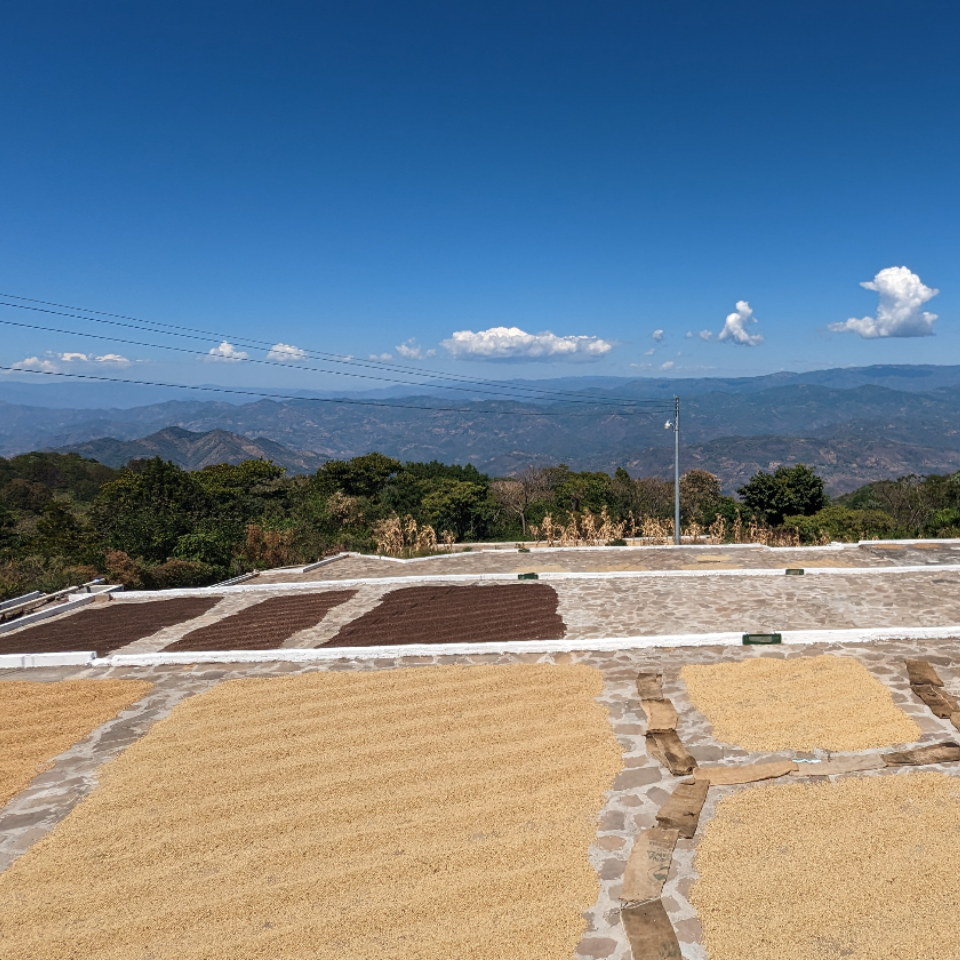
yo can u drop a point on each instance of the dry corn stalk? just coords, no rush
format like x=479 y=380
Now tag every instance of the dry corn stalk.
x=718 y=529
x=404 y=538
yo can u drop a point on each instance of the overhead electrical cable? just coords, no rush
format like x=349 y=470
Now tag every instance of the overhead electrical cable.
x=194 y=333
x=625 y=405
x=336 y=400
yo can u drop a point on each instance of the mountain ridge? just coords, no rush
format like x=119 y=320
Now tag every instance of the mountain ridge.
x=855 y=432
x=193 y=451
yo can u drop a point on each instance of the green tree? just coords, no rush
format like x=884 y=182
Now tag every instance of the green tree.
x=28 y=496
x=364 y=476
x=204 y=547
x=64 y=473
x=455 y=505
x=793 y=491
x=145 y=513
x=8 y=523
x=576 y=492
x=699 y=497
x=61 y=534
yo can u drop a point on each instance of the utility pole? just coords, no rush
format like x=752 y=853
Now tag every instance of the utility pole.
x=676 y=471
x=674 y=425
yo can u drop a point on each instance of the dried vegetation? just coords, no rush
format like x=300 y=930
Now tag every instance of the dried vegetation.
x=859 y=868
x=417 y=814
x=41 y=720
x=826 y=702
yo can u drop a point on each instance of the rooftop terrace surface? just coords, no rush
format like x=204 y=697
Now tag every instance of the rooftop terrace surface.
x=613 y=559
x=589 y=606
x=651 y=598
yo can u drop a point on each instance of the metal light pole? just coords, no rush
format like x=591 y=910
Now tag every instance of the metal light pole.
x=674 y=424
x=676 y=471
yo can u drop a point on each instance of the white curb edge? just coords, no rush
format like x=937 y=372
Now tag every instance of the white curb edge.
x=21 y=660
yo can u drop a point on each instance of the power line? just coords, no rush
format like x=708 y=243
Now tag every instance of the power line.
x=194 y=333
x=292 y=366
x=340 y=400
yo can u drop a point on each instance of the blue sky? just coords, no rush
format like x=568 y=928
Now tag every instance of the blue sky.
x=364 y=178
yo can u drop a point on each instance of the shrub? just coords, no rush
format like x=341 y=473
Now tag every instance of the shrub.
x=843 y=524
x=181 y=573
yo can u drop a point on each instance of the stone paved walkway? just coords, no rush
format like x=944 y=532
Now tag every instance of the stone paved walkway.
x=632 y=802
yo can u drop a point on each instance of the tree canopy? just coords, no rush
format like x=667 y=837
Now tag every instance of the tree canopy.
x=788 y=491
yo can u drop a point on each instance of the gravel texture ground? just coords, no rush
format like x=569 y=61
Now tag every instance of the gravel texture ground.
x=265 y=625
x=457 y=614
x=407 y=813
x=861 y=868
x=106 y=627
x=825 y=702
x=41 y=720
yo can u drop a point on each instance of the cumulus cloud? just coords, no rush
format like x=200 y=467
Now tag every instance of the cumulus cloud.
x=35 y=363
x=285 y=351
x=706 y=334
x=649 y=353
x=226 y=351
x=53 y=361
x=380 y=356
x=411 y=350
x=735 y=327
x=512 y=343
x=902 y=294
x=657 y=335
x=667 y=365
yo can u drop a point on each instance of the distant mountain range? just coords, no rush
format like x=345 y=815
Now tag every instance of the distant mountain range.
x=852 y=425
x=193 y=451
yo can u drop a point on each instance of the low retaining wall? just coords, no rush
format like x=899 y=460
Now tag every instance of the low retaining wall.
x=322 y=654
x=17 y=661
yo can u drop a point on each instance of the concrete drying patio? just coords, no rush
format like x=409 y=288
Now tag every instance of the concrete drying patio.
x=685 y=595
x=633 y=800
x=611 y=559
x=598 y=606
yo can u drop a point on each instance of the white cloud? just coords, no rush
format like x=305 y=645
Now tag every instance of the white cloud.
x=902 y=294
x=667 y=365
x=381 y=356
x=285 y=351
x=53 y=361
x=512 y=343
x=35 y=363
x=411 y=350
x=650 y=352
x=226 y=351
x=734 y=327
x=706 y=334
x=657 y=335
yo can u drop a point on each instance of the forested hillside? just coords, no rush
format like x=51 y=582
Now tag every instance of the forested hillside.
x=65 y=519
x=852 y=426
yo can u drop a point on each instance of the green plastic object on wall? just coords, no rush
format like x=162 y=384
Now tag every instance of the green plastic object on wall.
x=752 y=638
x=527 y=576
x=794 y=571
